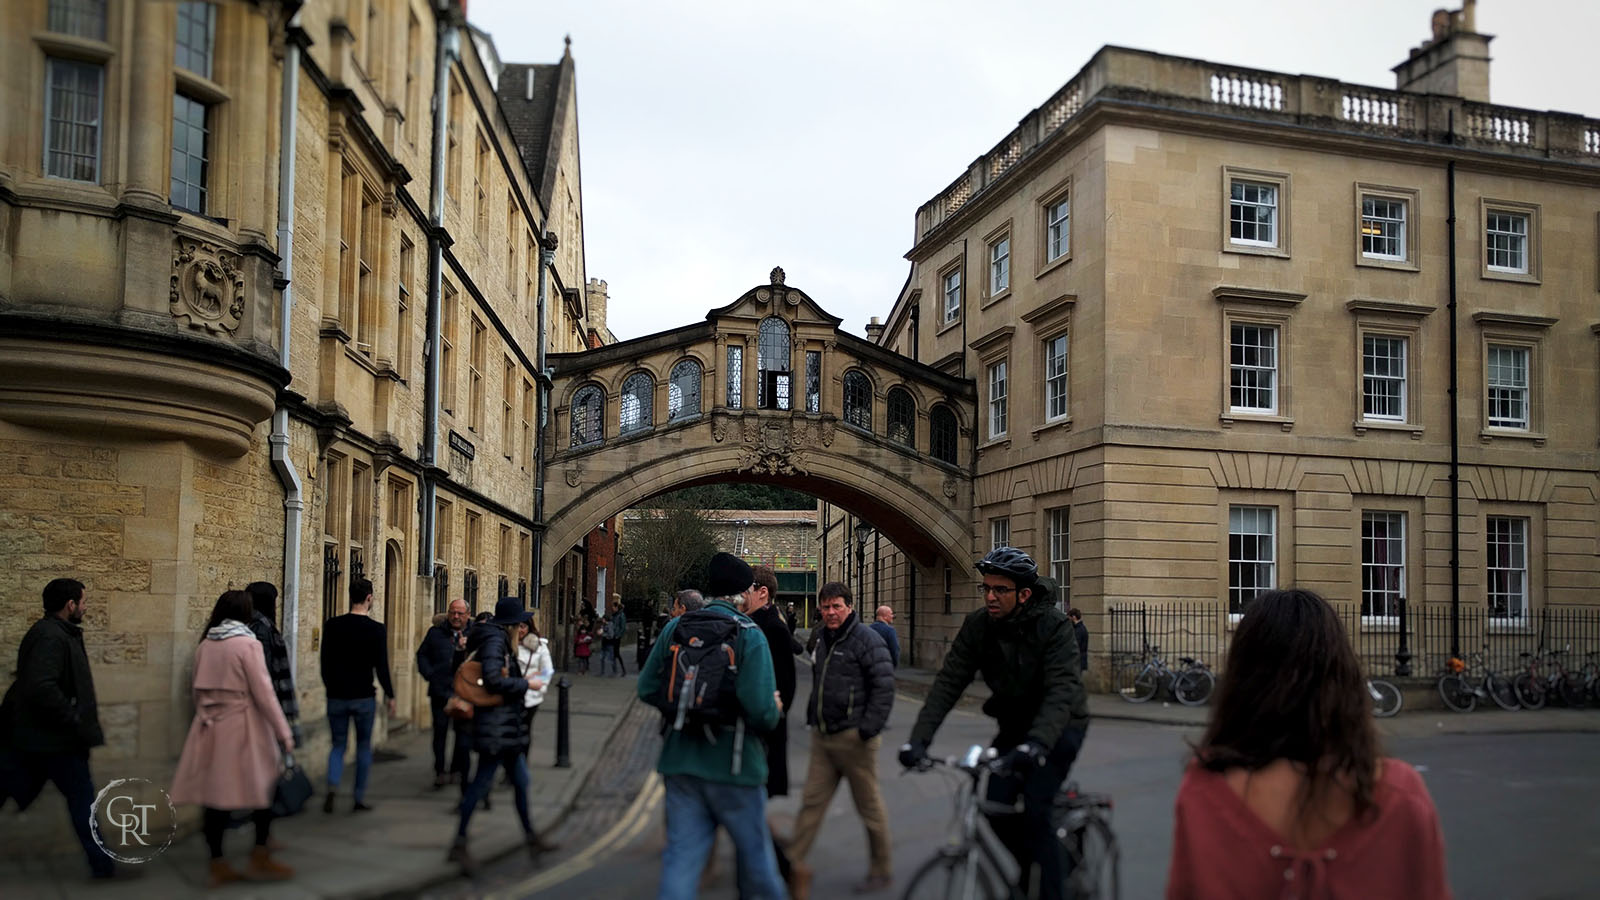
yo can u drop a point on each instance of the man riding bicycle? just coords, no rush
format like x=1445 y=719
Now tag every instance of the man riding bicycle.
x=1026 y=651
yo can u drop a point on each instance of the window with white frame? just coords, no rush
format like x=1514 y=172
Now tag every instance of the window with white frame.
x=197 y=36
x=1000 y=266
x=1253 y=368
x=191 y=153
x=1383 y=378
x=1505 y=241
x=73 y=93
x=1383 y=562
x=1057 y=229
x=1506 y=550
x=82 y=18
x=1060 y=553
x=1000 y=532
x=997 y=399
x=1253 y=213
x=1252 y=554
x=1383 y=227
x=1507 y=375
x=952 y=295
x=1055 y=378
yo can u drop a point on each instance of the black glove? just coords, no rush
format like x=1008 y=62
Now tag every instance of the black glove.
x=1025 y=757
x=914 y=754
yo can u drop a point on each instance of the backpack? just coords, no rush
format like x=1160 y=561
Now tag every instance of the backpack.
x=699 y=673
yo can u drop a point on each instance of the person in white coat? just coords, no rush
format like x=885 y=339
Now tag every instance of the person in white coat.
x=533 y=654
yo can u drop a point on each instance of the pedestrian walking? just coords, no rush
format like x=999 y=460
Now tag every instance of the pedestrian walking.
x=533 y=657
x=355 y=648
x=499 y=729
x=231 y=758
x=789 y=618
x=852 y=692
x=264 y=624
x=612 y=635
x=712 y=760
x=49 y=720
x=443 y=648
x=582 y=646
x=759 y=607
x=1288 y=787
x=883 y=624
x=1075 y=616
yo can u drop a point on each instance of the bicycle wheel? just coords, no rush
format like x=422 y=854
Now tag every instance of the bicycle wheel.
x=1501 y=691
x=952 y=874
x=1093 y=861
x=1573 y=693
x=1386 y=698
x=1529 y=690
x=1194 y=686
x=1457 y=694
x=1139 y=683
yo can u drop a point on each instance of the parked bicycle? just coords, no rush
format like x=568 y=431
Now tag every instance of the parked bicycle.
x=1460 y=691
x=1386 y=698
x=1192 y=685
x=1591 y=676
x=1546 y=677
x=975 y=865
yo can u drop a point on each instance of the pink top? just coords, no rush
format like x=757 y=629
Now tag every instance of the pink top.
x=1221 y=850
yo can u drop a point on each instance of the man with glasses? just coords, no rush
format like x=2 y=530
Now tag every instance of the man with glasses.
x=1025 y=649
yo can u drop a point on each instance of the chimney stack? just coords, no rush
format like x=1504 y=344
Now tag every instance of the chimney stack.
x=874 y=330
x=596 y=297
x=1454 y=62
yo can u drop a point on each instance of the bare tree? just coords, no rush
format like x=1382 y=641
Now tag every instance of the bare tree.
x=666 y=548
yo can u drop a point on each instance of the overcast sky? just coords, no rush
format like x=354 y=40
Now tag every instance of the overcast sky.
x=723 y=137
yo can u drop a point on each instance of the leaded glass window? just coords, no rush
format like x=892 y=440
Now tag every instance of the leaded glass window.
x=813 y=381
x=637 y=391
x=902 y=416
x=588 y=422
x=683 y=391
x=735 y=377
x=772 y=356
x=942 y=434
x=858 y=399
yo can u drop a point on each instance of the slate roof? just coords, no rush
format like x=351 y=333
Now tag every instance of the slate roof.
x=533 y=121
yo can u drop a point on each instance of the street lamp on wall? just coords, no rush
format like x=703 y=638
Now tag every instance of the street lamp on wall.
x=863 y=531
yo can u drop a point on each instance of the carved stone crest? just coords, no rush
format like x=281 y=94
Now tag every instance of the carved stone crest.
x=949 y=487
x=719 y=428
x=773 y=447
x=573 y=475
x=207 y=287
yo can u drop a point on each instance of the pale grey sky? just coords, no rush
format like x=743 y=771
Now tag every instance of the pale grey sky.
x=723 y=137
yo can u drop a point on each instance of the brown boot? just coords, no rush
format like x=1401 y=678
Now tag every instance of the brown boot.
x=463 y=858
x=222 y=872
x=799 y=880
x=264 y=868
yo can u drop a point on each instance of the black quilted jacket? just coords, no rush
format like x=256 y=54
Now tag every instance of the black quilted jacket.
x=852 y=681
x=496 y=729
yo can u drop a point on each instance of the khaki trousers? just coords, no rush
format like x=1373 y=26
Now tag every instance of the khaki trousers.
x=844 y=755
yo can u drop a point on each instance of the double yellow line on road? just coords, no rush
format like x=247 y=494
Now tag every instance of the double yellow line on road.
x=633 y=822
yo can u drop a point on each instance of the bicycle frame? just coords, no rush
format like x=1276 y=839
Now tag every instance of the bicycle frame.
x=971 y=835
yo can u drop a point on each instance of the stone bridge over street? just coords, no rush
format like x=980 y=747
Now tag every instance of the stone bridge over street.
x=767 y=389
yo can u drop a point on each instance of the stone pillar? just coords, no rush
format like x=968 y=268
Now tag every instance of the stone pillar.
x=719 y=383
x=252 y=138
x=751 y=376
x=831 y=401
x=150 y=104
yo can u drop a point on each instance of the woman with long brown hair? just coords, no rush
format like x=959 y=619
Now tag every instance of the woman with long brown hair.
x=1288 y=795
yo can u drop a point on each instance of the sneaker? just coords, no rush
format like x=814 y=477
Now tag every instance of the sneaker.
x=360 y=807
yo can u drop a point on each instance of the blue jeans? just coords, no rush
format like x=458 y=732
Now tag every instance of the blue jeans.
x=695 y=807
x=340 y=714
x=517 y=767
x=70 y=773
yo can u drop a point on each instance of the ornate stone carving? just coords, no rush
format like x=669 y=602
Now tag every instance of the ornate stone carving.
x=777 y=275
x=763 y=295
x=719 y=428
x=207 y=287
x=573 y=475
x=827 y=427
x=774 y=447
x=949 y=487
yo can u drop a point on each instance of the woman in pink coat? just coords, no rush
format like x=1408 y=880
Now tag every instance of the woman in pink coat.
x=231 y=759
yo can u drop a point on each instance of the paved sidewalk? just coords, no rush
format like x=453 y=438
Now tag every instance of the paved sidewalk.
x=1415 y=720
x=398 y=848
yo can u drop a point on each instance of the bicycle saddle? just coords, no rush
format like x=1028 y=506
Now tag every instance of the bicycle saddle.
x=1186 y=660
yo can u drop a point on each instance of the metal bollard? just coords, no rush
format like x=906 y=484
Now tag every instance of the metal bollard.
x=563 y=734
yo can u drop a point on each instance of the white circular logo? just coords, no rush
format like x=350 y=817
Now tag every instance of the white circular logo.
x=133 y=821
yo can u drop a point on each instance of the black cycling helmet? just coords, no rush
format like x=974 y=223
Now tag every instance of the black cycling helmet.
x=1011 y=563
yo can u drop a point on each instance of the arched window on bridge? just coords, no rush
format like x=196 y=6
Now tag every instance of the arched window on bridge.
x=683 y=391
x=588 y=416
x=858 y=399
x=942 y=434
x=902 y=416
x=773 y=378
x=637 y=391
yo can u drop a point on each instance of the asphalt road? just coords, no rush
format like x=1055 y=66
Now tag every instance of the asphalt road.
x=1521 y=815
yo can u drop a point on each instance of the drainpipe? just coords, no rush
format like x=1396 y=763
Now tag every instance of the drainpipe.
x=1455 y=433
x=447 y=46
x=547 y=257
x=278 y=441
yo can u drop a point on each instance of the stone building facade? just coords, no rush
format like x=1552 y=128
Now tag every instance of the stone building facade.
x=1214 y=316
x=238 y=379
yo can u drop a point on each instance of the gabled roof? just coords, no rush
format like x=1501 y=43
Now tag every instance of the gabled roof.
x=536 y=114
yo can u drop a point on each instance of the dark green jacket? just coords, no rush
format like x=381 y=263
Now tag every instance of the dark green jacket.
x=53 y=701
x=1029 y=660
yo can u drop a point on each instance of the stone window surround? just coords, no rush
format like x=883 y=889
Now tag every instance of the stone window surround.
x=1531 y=249
x=1389 y=319
x=1257 y=307
x=992 y=240
x=993 y=348
x=1413 y=508
x=1534 y=514
x=1283 y=525
x=1061 y=190
x=1280 y=180
x=1514 y=330
x=947 y=320
x=1413 y=200
x=1049 y=320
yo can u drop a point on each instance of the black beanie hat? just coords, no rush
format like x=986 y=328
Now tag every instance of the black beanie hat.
x=730 y=576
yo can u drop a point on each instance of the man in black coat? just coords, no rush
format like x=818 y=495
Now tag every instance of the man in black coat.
x=758 y=606
x=443 y=648
x=852 y=692
x=50 y=720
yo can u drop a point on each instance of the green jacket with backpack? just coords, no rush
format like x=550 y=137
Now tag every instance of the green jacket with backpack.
x=691 y=751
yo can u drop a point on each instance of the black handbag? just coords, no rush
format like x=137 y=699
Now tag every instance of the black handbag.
x=293 y=790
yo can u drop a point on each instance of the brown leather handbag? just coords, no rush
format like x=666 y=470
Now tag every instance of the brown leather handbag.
x=469 y=690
